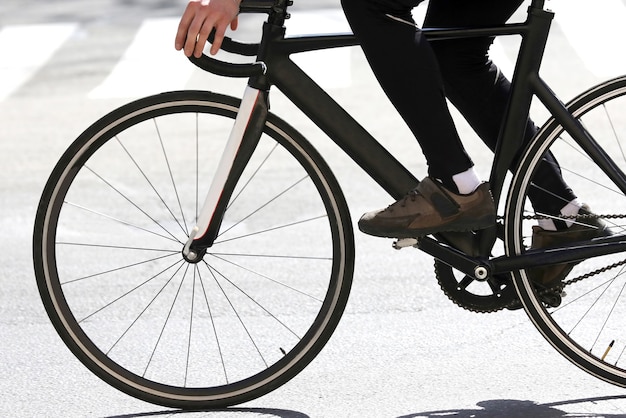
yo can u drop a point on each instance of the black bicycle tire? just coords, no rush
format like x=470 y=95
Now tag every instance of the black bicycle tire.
x=532 y=303
x=230 y=394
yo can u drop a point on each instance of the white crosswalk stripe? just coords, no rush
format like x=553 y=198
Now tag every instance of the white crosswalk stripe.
x=149 y=65
x=25 y=49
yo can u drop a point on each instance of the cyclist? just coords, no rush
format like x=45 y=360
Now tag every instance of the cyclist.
x=418 y=76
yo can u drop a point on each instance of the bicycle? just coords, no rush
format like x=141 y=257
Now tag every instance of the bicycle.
x=210 y=315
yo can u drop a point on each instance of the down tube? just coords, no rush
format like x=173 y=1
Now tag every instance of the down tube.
x=329 y=116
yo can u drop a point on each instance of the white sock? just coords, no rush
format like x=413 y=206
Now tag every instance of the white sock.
x=547 y=224
x=466 y=181
x=571 y=209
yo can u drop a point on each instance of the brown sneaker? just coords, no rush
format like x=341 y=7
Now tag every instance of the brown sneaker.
x=583 y=229
x=431 y=208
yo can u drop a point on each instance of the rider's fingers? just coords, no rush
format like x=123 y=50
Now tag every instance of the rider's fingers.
x=193 y=34
x=197 y=22
x=219 y=35
x=202 y=37
x=217 y=41
x=190 y=31
x=184 y=26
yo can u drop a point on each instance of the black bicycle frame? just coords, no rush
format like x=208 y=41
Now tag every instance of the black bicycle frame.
x=386 y=170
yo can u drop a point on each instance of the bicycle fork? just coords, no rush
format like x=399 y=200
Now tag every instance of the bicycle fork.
x=240 y=146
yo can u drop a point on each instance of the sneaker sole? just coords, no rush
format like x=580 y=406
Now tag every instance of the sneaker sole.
x=474 y=225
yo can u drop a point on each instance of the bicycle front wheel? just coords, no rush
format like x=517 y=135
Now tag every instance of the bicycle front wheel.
x=108 y=240
x=585 y=323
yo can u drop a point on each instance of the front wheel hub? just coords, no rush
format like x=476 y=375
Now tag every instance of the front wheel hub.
x=194 y=255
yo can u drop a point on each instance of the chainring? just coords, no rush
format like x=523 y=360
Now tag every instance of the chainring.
x=498 y=292
x=491 y=295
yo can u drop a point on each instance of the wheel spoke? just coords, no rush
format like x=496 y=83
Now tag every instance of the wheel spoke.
x=258 y=209
x=134 y=204
x=274 y=228
x=235 y=311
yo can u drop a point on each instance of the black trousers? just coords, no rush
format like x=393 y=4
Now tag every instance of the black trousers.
x=417 y=76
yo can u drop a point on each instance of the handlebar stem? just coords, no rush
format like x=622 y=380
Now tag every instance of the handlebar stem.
x=537 y=4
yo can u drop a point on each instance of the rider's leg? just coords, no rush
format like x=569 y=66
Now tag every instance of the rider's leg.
x=407 y=70
x=480 y=91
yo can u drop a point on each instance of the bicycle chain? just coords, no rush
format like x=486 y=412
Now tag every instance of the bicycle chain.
x=579 y=216
x=561 y=286
x=558 y=289
x=515 y=303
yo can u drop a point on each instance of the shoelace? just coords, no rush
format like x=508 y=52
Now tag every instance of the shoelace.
x=410 y=195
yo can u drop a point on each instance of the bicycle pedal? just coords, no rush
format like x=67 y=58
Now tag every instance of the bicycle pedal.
x=404 y=243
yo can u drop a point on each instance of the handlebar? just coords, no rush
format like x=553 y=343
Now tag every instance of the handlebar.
x=240 y=48
x=228 y=69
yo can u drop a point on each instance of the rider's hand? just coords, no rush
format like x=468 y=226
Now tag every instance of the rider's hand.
x=199 y=19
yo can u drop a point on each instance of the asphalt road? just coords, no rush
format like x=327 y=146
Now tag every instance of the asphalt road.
x=402 y=349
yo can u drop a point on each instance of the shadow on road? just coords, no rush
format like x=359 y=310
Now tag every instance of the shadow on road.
x=497 y=408
x=512 y=408
x=280 y=413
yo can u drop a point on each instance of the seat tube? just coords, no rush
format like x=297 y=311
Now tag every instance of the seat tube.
x=240 y=146
x=511 y=137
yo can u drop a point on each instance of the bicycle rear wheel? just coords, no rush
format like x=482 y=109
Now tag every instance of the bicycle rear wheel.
x=108 y=239
x=587 y=325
